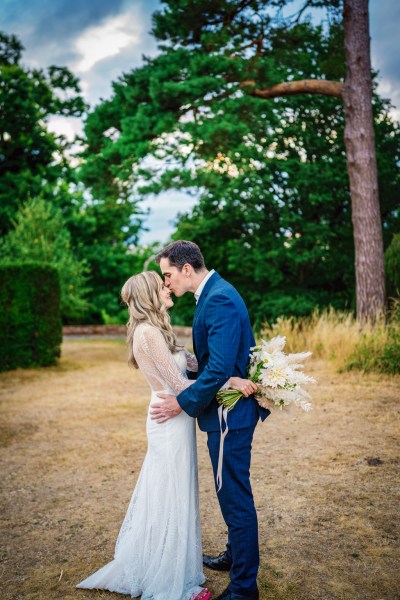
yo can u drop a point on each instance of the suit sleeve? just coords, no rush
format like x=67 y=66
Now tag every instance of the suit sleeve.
x=223 y=325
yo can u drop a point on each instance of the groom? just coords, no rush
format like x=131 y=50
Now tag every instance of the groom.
x=222 y=338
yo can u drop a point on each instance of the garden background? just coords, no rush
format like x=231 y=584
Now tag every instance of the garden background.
x=260 y=180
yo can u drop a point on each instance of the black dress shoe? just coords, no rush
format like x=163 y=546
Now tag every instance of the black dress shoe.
x=222 y=562
x=228 y=595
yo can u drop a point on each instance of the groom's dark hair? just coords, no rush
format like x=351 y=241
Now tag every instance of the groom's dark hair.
x=181 y=252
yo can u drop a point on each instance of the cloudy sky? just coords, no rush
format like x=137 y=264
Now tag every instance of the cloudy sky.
x=100 y=39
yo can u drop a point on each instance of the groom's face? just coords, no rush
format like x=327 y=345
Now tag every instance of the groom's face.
x=177 y=281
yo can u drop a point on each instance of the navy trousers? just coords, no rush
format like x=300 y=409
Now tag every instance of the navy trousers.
x=237 y=506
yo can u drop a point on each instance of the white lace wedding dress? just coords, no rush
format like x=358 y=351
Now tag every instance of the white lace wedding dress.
x=158 y=553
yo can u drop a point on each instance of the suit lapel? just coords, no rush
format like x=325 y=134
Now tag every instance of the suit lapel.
x=213 y=279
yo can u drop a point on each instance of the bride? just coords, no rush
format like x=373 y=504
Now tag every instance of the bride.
x=158 y=554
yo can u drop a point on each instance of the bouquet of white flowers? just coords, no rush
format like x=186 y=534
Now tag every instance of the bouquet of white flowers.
x=277 y=375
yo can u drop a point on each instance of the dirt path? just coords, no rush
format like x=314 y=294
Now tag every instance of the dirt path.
x=73 y=441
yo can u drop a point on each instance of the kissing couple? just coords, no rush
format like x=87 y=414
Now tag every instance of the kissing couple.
x=158 y=554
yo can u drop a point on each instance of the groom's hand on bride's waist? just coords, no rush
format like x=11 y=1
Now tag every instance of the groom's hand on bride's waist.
x=167 y=408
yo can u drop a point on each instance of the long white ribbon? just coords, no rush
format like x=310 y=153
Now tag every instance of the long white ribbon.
x=222 y=414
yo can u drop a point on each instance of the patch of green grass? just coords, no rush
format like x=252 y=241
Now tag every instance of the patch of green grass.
x=384 y=357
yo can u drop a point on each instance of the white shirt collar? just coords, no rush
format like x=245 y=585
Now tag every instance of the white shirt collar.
x=202 y=284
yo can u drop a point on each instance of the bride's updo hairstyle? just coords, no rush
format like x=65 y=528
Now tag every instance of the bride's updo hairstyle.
x=141 y=294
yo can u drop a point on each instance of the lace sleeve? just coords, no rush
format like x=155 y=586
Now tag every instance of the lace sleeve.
x=191 y=360
x=160 y=363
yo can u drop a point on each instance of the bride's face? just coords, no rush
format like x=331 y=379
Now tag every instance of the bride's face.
x=165 y=296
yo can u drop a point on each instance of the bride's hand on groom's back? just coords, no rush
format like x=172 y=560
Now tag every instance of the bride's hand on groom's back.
x=244 y=386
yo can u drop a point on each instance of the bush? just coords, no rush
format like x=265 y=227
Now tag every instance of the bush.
x=120 y=318
x=371 y=355
x=40 y=235
x=379 y=349
x=30 y=320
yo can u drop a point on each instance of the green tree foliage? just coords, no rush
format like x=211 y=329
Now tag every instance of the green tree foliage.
x=96 y=231
x=40 y=236
x=274 y=214
x=392 y=266
x=32 y=159
x=104 y=235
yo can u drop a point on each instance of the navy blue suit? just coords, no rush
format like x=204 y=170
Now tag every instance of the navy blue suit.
x=222 y=338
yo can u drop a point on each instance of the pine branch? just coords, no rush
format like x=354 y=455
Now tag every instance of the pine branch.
x=290 y=88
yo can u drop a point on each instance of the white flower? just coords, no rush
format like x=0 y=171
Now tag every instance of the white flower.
x=273 y=377
x=267 y=359
x=279 y=377
x=276 y=344
x=281 y=374
x=293 y=358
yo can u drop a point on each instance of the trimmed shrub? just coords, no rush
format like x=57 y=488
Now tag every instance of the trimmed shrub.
x=41 y=236
x=30 y=320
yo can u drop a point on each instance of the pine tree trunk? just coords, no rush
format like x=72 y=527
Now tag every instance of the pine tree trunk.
x=361 y=163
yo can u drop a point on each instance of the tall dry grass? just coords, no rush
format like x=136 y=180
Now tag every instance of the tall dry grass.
x=337 y=336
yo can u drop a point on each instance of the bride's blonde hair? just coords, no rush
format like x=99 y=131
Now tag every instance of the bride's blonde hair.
x=141 y=294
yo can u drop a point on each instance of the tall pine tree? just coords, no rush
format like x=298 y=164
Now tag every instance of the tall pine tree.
x=223 y=100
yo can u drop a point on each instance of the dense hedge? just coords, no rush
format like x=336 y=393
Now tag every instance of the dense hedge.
x=30 y=321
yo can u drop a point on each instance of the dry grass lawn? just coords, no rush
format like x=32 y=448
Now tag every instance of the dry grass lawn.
x=73 y=441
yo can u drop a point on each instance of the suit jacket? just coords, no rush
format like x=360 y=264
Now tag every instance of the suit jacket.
x=222 y=338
